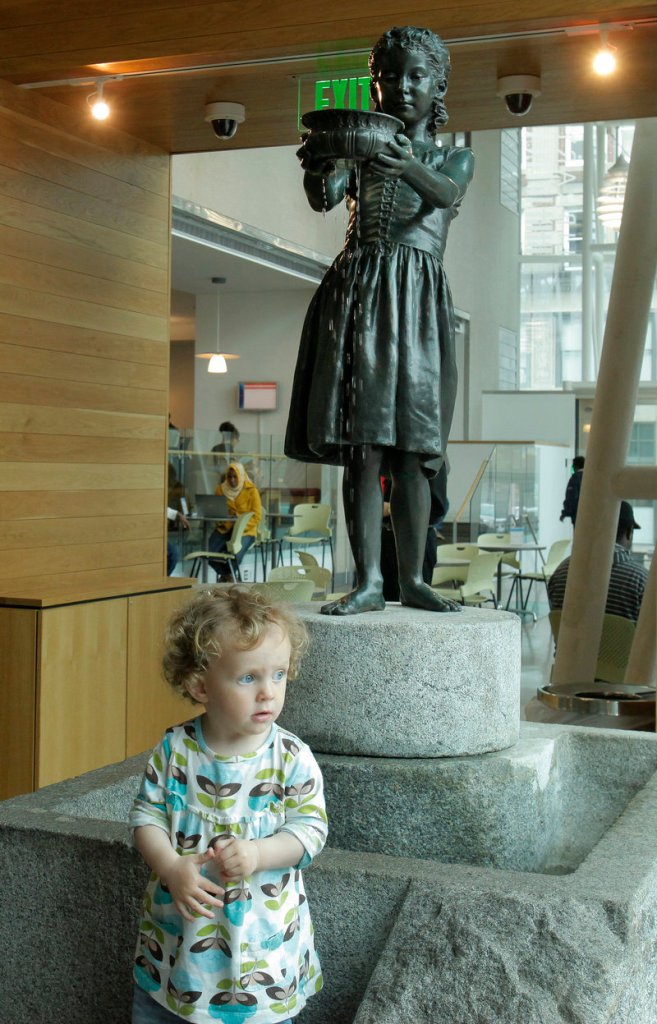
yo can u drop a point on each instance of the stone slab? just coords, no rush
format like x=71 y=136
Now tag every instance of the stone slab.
x=408 y=683
x=401 y=939
x=540 y=805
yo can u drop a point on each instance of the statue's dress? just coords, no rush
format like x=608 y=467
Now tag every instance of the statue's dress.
x=376 y=362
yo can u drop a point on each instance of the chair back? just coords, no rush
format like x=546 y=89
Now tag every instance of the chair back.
x=263 y=531
x=306 y=558
x=234 y=545
x=555 y=556
x=286 y=591
x=459 y=573
x=465 y=551
x=615 y=645
x=321 y=577
x=311 y=519
x=491 y=539
x=481 y=575
x=555 y=621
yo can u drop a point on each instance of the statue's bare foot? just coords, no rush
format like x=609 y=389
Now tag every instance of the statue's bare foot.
x=421 y=595
x=362 y=599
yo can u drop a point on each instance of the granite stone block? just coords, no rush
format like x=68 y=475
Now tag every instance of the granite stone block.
x=408 y=683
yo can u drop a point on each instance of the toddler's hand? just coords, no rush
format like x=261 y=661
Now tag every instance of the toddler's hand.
x=238 y=858
x=191 y=891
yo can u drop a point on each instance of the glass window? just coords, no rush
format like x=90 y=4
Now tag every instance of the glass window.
x=642 y=444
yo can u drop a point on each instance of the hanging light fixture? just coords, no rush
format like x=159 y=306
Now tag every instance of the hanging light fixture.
x=604 y=62
x=218 y=364
x=216 y=360
x=100 y=108
x=611 y=196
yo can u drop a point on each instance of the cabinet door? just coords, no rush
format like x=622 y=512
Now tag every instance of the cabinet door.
x=152 y=705
x=81 y=688
x=18 y=639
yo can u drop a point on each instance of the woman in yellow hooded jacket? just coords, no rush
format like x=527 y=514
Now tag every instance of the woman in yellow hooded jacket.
x=243 y=496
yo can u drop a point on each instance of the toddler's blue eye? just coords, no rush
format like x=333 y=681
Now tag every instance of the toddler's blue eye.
x=246 y=680
x=280 y=675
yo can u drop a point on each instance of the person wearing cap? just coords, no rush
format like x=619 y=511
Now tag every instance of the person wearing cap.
x=627 y=581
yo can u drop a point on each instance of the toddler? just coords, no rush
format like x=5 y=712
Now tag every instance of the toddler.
x=229 y=811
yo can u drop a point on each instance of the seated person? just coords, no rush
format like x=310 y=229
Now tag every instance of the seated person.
x=177 y=512
x=243 y=496
x=174 y=517
x=627 y=581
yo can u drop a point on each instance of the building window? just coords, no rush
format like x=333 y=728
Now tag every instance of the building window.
x=507 y=360
x=510 y=169
x=642 y=444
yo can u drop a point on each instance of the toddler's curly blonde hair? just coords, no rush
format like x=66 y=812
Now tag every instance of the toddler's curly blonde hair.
x=221 y=617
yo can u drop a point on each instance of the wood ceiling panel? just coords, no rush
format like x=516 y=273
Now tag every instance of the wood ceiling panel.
x=44 y=41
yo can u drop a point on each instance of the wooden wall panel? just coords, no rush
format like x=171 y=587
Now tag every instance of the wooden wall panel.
x=151 y=705
x=84 y=349
x=94 y=633
x=18 y=640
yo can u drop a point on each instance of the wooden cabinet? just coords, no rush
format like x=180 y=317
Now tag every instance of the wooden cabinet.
x=80 y=680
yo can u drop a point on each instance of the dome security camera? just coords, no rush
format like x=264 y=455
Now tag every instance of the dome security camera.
x=224 y=118
x=518 y=91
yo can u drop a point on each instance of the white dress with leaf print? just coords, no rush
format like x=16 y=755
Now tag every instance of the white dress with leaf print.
x=256 y=961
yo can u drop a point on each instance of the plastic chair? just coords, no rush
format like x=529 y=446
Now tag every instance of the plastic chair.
x=310 y=526
x=480 y=585
x=457 y=573
x=233 y=548
x=306 y=559
x=615 y=645
x=321 y=577
x=287 y=591
x=508 y=557
x=262 y=545
x=555 y=557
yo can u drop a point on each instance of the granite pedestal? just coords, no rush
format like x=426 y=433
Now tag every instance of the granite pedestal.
x=408 y=683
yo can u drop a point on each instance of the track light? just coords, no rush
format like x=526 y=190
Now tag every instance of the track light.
x=604 y=62
x=100 y=108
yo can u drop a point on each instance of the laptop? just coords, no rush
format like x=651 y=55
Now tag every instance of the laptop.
x=212 y=506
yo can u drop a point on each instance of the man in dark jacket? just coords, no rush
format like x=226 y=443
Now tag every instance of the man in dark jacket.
x=574 y=486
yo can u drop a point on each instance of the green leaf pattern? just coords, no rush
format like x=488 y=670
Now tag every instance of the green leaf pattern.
x=256 y=961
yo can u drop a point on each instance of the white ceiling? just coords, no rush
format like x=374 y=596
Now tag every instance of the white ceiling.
x=193 y=265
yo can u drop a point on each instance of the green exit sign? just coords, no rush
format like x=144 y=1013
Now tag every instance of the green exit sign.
x=342 y=90
x=344 y=93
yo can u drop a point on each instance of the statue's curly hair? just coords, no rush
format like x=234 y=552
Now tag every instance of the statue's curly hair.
x=426 y=42
x=221 y=617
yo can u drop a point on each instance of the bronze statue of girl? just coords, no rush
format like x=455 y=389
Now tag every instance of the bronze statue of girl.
x=375 y=381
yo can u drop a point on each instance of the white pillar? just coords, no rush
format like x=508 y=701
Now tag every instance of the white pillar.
x=613 y=415
x=589 y=365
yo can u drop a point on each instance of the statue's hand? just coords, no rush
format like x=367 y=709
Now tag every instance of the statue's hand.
x=312 y=161
x=395 y=160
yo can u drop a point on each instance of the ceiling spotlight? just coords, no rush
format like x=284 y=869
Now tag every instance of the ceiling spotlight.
x=604 y=62
x=100 y=108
